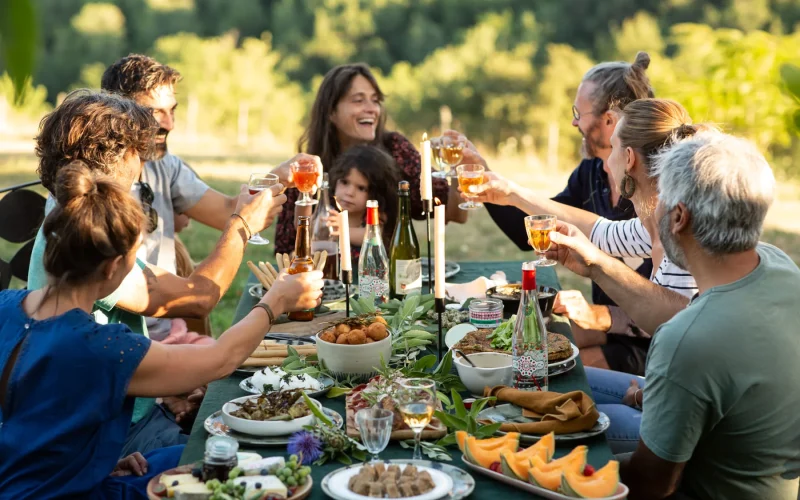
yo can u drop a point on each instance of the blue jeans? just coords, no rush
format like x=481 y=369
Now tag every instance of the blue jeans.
x=135 y=487
x=608 y=388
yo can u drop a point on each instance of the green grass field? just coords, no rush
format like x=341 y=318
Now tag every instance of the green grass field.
x=479 y=239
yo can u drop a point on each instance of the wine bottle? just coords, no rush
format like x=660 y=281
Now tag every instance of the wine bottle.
x=529 y=343
x=302 y=262
x=321 y=238
x=373 y=264
x=405 y=274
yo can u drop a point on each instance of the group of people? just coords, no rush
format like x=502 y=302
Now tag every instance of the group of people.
x=706 y=315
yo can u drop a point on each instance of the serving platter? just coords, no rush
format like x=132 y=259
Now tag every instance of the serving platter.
x=247 y=386
x=215 y=426
x=512 y=413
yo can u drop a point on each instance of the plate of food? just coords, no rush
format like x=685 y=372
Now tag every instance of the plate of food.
x=215 y=426
x=355 y=345
x=273 y=352
x=392 y=479
x=511 y=293
x=273 y=378
x=277 y=413
x=513 y=413
x=450 y=269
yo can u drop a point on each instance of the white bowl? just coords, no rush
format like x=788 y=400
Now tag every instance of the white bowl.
x=346 y=359
x=493 y=369
x=263 y=427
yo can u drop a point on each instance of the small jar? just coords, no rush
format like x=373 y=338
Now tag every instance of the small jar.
x=220 y=458
x=486 y=313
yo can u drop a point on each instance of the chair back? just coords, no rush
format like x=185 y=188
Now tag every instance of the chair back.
x=21 y=214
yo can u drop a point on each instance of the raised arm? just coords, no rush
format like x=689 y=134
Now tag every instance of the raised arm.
x=158 y=293
x=648 y=304
x=214 y=209
x=626 y=238
x=170 y=370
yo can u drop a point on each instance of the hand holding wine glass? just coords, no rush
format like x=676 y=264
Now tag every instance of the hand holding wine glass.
x=417 y=401
x=284 y=170
x=539 y=228
x=271 y=203
x=470 y=175
x=305 y=175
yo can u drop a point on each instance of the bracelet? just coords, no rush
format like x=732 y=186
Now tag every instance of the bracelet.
x=267 y=308
x=246 y=225
x=638 y=406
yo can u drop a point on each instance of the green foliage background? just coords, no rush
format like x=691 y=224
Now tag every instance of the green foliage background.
x=507 y=69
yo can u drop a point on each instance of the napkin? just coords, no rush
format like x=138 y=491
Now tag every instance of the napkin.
x=476 y=288
x=560 y=413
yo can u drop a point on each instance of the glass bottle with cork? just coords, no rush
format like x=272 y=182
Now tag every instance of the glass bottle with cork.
x=302 y=262
x=321 y=238
x=405 y=274
x=219 y=458
x=529 y=343
x=373 y=264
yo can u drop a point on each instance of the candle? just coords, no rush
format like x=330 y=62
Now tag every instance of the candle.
x=426 y=189
x=438 y=234
x=344 y=241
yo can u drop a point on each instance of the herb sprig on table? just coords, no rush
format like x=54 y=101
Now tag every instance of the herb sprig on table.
x=465 y=420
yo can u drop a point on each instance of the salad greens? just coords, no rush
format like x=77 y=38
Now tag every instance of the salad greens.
x=502 y=335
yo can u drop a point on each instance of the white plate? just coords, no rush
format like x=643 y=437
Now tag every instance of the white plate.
x=339 y=489
x=263 y=427
x=247 y=386
x=621 y=494
x=458 y=332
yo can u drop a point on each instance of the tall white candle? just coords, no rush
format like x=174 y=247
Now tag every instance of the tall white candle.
x=438 y=234
x=344 y=240
x=426 y=188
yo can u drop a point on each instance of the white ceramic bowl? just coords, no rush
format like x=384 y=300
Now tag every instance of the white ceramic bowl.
x=346 y=359
x=493 y=369
x=263 y=427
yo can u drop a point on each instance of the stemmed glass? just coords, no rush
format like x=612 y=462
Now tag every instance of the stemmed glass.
x=451 y=152
x=375 y=426
x=417 y=400
x=259 y=182
x=539 y=227
x=469 y=175
x=436 y=148
x=305 y=175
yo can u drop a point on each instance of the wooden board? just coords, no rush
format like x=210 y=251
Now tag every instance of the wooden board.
x=437 y=431
x=301 y=328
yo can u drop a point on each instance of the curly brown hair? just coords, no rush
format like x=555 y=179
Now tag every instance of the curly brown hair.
x=137 y=74
x=97 y=128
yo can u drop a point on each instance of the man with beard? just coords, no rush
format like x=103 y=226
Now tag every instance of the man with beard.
x=723 y=381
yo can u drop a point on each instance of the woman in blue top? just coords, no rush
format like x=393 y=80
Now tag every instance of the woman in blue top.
x=67 y=384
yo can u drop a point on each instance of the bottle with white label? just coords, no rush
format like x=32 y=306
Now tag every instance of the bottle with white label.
x=373 y=264
x=405 y=275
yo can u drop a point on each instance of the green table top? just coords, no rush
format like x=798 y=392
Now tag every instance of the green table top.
x=224 y=390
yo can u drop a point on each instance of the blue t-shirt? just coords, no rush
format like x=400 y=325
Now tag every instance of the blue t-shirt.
x=66 y=412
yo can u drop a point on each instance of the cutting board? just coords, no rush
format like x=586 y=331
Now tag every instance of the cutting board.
x=435 y=430
x=301 y=328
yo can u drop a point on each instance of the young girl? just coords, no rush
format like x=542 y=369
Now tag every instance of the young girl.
x=67 y=384
x=364 y=173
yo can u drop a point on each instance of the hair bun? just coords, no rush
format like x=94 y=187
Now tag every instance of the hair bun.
x=685 y=130
x=642 y=60
x=74 y=181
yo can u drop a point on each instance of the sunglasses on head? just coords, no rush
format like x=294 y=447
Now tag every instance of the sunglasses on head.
x=147 y=196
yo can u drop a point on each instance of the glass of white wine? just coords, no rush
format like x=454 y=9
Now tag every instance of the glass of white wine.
x=539 y=228
x=417 y=401
x=375 y=427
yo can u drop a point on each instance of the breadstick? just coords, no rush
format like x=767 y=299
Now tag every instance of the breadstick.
x=323 y=256
x=273 y=272
x=283 y=348
x=257 y=273
x=263 y=362
x=286 y=261
x=267 y=274
x=279 y=261
x=315 y=260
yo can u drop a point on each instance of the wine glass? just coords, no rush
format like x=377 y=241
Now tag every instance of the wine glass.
x=417 y=400
x=436 y=147
x=539 y=227
x=259 y=182
x=469 y=175
x=375 y=426
x=451 y=152
x=305 y=175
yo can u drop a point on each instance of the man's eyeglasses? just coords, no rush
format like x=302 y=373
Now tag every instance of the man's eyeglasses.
x=147 y=196
x=577 y=114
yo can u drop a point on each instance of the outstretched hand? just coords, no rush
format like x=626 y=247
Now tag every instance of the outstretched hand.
x=495 y=189
x=572 y=249
x=134 y=464
x=284 y=170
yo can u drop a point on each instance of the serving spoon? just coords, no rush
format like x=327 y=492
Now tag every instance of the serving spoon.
x=458 y=351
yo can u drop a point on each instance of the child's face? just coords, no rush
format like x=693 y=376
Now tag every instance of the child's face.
x=352 y=191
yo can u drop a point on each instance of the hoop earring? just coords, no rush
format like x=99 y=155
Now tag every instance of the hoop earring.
x=627 y=187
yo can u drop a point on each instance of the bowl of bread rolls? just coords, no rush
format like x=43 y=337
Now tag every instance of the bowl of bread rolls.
x=355 y=345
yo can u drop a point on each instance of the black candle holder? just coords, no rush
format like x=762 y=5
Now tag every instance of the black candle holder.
x=427 y=207
x=347 y=279
x=439 y=311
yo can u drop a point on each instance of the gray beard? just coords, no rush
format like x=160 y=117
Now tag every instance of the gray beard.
x=159 y=151
x=671 y=248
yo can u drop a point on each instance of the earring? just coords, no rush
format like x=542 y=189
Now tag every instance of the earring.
x=627 y=187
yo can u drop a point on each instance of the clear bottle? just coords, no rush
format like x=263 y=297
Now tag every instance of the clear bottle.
x=373 y=264
x=321 y=238
x=219 y=458
x=405 y=276
x=302 y=263
x=529 y=344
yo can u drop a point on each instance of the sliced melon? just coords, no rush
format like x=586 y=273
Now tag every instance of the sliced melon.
x=514 y=466
x=548 y=474
x=549 y=480
x=603 y=483
x=461 y=439
x=485 y=456
x=576 y=456
x=544 y=448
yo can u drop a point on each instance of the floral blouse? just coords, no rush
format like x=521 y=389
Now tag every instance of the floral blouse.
x=408 y=160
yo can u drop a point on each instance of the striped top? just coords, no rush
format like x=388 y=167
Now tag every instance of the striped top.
x=629 y=238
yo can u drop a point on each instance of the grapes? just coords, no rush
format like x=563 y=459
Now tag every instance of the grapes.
x=294 y=474
x=235 y=472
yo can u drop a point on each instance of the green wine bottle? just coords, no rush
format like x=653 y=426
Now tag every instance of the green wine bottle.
x=405 y=268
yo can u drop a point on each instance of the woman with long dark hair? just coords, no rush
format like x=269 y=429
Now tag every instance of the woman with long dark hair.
x=349 y=111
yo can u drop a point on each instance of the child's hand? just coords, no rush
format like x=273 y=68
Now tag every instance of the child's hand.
x=333 y=221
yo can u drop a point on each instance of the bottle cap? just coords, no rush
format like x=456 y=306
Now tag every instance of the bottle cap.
x=529 y=276
x=372 y=213
x=403 y=186
x=221 y=447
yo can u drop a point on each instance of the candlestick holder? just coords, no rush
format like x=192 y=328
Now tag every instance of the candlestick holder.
x=427 y=207
x=439 y=311
x=347 y=279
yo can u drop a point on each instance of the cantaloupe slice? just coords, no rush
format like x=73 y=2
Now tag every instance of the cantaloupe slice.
x=548 y=474
x=485 y=456
x=514 y=466
x=544 y=448
x=577 y=455
x=462 y=437
x=603 y=483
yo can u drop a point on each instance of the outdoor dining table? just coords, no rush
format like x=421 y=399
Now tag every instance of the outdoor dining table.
x=224 y=390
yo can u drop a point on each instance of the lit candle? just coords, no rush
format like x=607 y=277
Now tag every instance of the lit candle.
x=426 y=189
x=438 y=263
x=344 y=241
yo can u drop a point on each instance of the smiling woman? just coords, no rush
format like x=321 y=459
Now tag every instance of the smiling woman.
x=349 y=111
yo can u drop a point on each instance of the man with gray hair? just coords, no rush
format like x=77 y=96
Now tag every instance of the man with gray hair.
x=719 y=415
